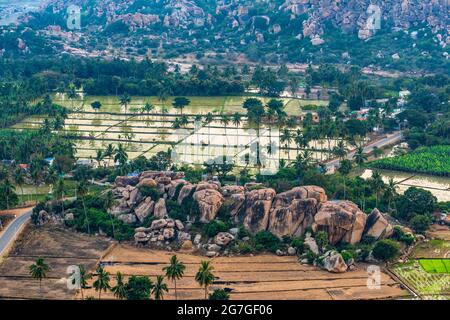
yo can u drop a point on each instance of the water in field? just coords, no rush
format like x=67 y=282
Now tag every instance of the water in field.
x=438 y=186
x=198 y=105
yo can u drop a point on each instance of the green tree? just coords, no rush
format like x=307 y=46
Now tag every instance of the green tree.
x=174 y=271
x=84 y=277
x=119 y=289
x=219 y=294
x=360 y=157
x=138 y=288
x=39 y=271
x=96 y=105
x=420 y=223
x=386 y=250
x=102 y=281
x=159 y=288
x=125 y=100
x=204 y=276
x=180 y=103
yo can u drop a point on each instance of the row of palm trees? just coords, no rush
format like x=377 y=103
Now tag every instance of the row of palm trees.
x=102 y=279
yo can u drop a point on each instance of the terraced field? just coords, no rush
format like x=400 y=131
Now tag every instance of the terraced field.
x=258 y=277
x=427 y=285
x=147 y=134
x=198 y=105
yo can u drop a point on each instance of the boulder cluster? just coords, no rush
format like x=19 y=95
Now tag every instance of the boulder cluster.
x=257 y=208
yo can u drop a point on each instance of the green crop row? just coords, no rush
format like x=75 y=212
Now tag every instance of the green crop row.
x=428 y=160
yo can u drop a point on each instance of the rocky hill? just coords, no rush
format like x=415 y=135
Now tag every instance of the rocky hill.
x=275 y=30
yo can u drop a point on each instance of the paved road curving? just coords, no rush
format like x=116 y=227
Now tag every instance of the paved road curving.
x=390 y=139
x=13 y=229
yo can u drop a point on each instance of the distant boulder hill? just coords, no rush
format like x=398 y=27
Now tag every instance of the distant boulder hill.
x=362 y=17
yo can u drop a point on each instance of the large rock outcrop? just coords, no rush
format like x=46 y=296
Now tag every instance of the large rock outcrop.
x=342 y=220
x=255 y=216
x=377 y=226
x=293 y=211
x=209 y=202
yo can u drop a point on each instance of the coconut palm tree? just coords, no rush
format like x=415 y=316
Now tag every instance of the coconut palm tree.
x=19 y=179
x=107 y=204
x=125 y=100
x=39 y=271
x=119 y=289
x=59 y=192
x=237 y=119
x=390 y=192
x=82 y=190
x=376 y=181
x=286 y=138
x=209 y=118
x=174 y=271
x=159 y=288
x=204 y=276
x=84 y=277
x=340 y=150
x=121 y=155
x=109 y=152
x=102 y=281
x=147 y=108
x=72 y=93
x=99 y=156
x=360 y=157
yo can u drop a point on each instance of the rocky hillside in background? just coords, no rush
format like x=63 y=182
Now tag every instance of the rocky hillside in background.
x=413 y=33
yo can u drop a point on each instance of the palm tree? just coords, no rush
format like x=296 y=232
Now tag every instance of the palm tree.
x=174 y=271
x=159 y=288
x=236 y=119
x=72 y=93
x=377 y=152
x=109 y=152
x=209 y=118
x=8 y=191
x=147 y=108
x=204 y=276
x=108 y=203
x=225 y=120
x=39 y=271
x=390 y=192
x=99 y=157
x=102 y=281
x=121 y=156
x=184 y=120
x=286 y=138
x=340 y=150
x=19 y=179
x=84 y=277
x=125 y=100
x=82 y=190
x=377 y=184
x=119 y=289
x=359 y=156
x=59 y=192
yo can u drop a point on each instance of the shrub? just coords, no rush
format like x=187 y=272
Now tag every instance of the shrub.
x=150 y=192
x=347 y=255
x=321 y=238
x=214 y=227
x=298 y=243
x=265 y=240
x=420 y=223
x=386 y=250
x=399 y=235
x=219 y=294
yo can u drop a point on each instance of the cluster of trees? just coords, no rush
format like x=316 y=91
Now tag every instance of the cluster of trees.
x=137 y=287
